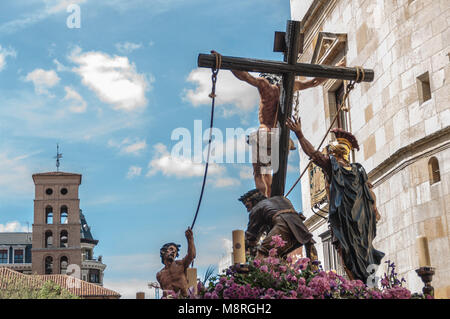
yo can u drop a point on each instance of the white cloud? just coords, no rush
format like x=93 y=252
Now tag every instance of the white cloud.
x=126 y=146
x=214 y=249
x=15 y=175
x=136 y=263
x=227 y=245
x=60 y=67
x=4 y=53
x=135 y=148
x=246 y=172
x=127 y=47
x=56 y=6
x=113 y=143
x=42 y=80
x=178 y=166
x=114 y=79
x=80 y=104
x=143 y=267
x=235 y=149
x=152 y=8
x=50 y=8
x=127 y=288
x=11 y=227
x=226 y=182
x=134 y=171
x=229 y=90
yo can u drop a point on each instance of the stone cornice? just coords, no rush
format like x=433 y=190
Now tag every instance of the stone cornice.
x=314 y=222
x=55 y=249
x=314 y=18
x=409 y=154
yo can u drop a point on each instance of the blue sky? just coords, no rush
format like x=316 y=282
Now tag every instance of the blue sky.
x=111 y=93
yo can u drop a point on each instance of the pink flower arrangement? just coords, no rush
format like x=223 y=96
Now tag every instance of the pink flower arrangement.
x=277 y=241
x=272 y=278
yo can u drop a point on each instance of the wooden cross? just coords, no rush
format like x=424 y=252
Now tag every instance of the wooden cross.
x=290 y=46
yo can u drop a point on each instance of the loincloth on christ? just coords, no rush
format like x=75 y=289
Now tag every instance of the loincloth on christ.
x=261 y=142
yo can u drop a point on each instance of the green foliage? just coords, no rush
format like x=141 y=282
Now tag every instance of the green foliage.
x=51 y=290
x=20 y=288
x=209 y=272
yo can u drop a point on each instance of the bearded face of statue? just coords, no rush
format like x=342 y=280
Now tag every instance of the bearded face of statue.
x=248 y=204
x=170 y=254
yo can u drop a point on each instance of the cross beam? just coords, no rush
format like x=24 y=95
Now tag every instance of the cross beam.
x=275 y=67
x=288 y=69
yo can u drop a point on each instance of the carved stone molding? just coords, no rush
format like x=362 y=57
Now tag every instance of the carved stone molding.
x=329 y=47
x=425 y=147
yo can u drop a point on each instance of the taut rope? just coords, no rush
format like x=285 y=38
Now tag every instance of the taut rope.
x=212 y=95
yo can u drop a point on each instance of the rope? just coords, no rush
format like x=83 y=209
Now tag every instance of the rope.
x=360 y=74
x=350 y=87
x=212 y=95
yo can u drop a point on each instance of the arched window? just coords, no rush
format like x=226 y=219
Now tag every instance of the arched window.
x=48 y=239
x=64 y=239
x=49 y=215
x=63 y=263
x=63 y=215
x=433 y=170
x=48 y=265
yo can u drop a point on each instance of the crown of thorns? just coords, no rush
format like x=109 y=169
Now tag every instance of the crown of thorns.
x=272 y=78
x=346 y=137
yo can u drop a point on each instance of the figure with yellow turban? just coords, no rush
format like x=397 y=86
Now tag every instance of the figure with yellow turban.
x=351 y=214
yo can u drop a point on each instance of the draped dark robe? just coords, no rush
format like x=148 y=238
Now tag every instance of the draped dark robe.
x=351 y=215
x=261 y=219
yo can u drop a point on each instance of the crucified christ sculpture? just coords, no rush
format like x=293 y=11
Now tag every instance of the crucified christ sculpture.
x=268 y=86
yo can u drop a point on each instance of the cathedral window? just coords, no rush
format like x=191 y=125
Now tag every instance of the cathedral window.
x=48 y=265
x=48 y=239
x=423 y=87
x=49 y=215
x=63 y=215
x=64 y=239
x=63 y=263
x=433 y=169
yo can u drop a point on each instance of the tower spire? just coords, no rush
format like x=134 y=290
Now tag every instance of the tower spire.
x=58 y=156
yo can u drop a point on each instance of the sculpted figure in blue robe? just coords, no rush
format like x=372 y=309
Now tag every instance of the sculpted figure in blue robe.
x=352 y=214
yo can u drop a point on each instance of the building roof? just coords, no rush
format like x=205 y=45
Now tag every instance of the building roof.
x=83 y=288
x=85 y=232
x=9 y=276
x=15 y=238
x=56 y=174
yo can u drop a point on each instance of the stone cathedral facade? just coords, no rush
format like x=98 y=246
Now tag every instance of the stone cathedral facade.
x=401 y=121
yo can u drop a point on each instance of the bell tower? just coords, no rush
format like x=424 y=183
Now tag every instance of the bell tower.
x=56 y=226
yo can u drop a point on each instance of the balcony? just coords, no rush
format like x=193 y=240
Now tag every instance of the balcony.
x=92 y=263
